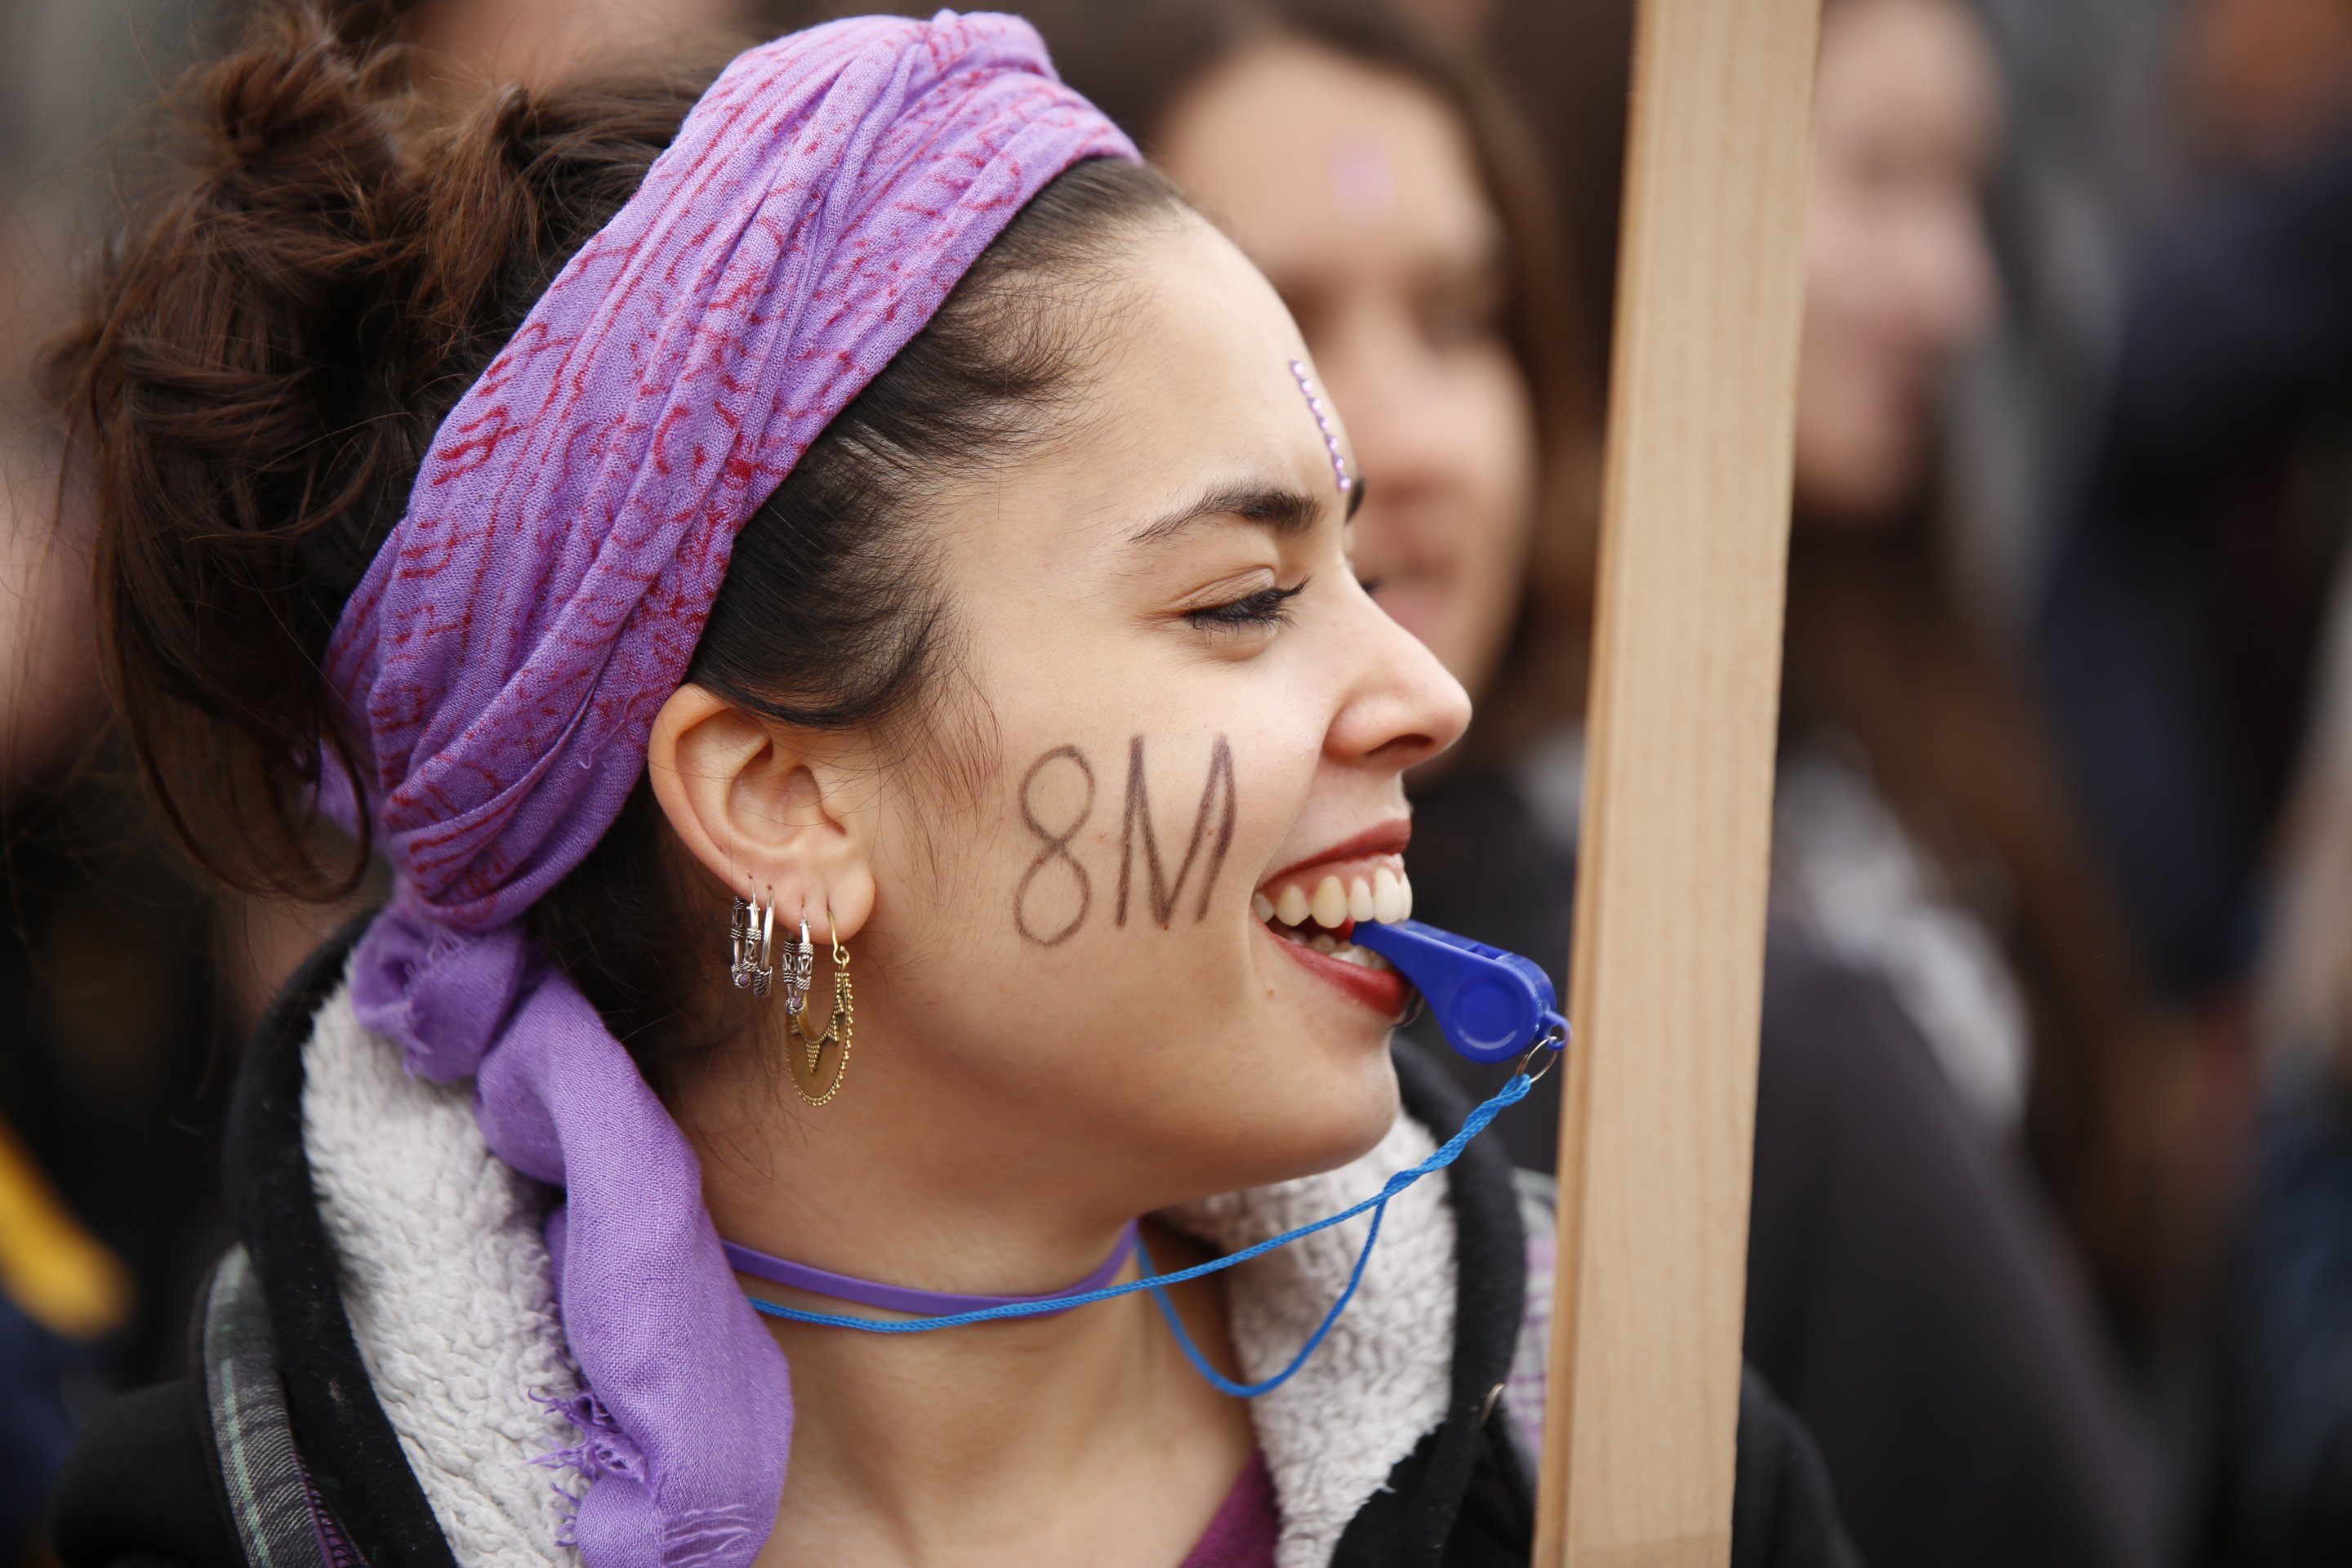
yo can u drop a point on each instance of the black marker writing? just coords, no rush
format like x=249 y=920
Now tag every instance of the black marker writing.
x=1056 y=853
x=1215 y=791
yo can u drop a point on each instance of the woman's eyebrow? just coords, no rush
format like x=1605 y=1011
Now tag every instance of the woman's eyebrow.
x=1272 y=506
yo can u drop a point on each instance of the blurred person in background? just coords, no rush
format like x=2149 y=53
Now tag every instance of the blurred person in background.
x=1904 y=1294
x=2184 y=638
x=111 y=1026
x=2206 y=584
x=125 y=988
x=540 y=41
x=1924 y=832
x=1921 y=829
x=2179 y=632
x=1925 y=823
x=2282 y=1454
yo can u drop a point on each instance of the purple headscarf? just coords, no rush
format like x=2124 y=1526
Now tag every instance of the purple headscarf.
x=500 y=667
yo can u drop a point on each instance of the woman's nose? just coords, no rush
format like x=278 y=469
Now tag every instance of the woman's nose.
x=1402 y=707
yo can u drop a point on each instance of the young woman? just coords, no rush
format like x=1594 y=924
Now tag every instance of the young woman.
x=689 y=526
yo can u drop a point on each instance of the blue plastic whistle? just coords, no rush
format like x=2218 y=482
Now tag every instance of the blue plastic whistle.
x=1492 y=1005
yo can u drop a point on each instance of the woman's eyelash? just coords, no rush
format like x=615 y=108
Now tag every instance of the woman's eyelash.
x=1266 y=607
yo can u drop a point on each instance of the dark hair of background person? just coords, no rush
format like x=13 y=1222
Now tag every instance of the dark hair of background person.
x=333 y=255
x=1135 y=59
x=1887 y=646
x=1882 y=648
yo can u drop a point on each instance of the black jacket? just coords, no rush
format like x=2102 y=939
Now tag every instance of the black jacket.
x=275 y=1452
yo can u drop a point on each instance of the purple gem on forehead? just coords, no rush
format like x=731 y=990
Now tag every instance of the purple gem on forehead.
x=1323 y=422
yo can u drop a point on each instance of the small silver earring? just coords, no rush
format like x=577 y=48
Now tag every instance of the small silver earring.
x=800 y=966
x=751 y=932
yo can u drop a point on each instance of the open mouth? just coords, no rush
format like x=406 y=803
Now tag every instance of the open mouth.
x=1319 y=910
x=1312 y=911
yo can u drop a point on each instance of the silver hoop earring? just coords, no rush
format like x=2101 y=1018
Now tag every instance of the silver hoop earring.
x=751 y=932
x=800 y=966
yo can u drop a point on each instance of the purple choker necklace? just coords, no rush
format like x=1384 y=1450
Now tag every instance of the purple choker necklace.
x=905 y=1298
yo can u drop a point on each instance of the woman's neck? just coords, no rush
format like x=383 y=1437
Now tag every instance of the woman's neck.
x=1081 y=1437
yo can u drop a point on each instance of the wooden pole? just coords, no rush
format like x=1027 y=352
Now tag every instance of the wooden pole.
x=1658 y=1125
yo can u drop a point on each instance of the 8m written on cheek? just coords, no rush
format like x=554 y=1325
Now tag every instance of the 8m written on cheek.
x=1055 y=820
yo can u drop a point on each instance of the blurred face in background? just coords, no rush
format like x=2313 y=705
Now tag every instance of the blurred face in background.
x=1357 y=192
x=1898 y=275
x=543 y=41
x=2267 y=78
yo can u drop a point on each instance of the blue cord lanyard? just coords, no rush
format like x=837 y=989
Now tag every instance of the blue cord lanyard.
x=1377 y=1204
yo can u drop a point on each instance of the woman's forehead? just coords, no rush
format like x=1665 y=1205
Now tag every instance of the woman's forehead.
x=1191 y=395
x=1206 y=367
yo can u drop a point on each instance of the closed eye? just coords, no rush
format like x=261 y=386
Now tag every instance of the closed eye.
x=1270 y=606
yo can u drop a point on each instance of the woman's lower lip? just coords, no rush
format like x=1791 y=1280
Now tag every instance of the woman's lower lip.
x=1381 y=990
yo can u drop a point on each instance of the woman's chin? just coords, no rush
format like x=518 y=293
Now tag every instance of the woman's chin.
x=1338 y=1120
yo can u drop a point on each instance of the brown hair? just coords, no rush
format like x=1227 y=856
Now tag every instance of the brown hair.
x=1884 y=646
x=329 y=255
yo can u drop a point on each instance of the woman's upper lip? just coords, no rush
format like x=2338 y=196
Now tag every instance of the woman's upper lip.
x=1389 y=839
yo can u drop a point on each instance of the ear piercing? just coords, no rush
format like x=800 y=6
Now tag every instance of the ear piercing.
x=798 y=966
x=841 y=1029
x=751 y=965
x=751 y=932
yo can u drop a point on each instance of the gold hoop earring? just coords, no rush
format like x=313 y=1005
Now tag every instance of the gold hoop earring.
x=804 y=1050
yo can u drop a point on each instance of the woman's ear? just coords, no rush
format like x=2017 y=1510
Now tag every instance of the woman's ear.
x=763 y=809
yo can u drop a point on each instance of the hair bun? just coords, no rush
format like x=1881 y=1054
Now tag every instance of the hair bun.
x=298 y=94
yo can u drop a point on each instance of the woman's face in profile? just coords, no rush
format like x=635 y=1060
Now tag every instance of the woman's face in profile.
x=1172 y=721
x=1357 y=191
x=1897 y=276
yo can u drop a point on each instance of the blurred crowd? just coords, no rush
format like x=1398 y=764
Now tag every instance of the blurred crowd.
x=2051 y=1241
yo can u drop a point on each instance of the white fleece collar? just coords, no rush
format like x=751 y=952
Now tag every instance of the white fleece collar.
x=445 y=1278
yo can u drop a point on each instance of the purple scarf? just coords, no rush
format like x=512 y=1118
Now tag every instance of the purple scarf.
x=500 y=667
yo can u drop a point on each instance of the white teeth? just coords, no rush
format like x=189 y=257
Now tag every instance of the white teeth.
x=1326 y=945
x=1331 y=906
x=1385 y=896
x=1361 y=957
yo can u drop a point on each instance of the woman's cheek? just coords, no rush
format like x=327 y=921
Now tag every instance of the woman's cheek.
x=1148 y=833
